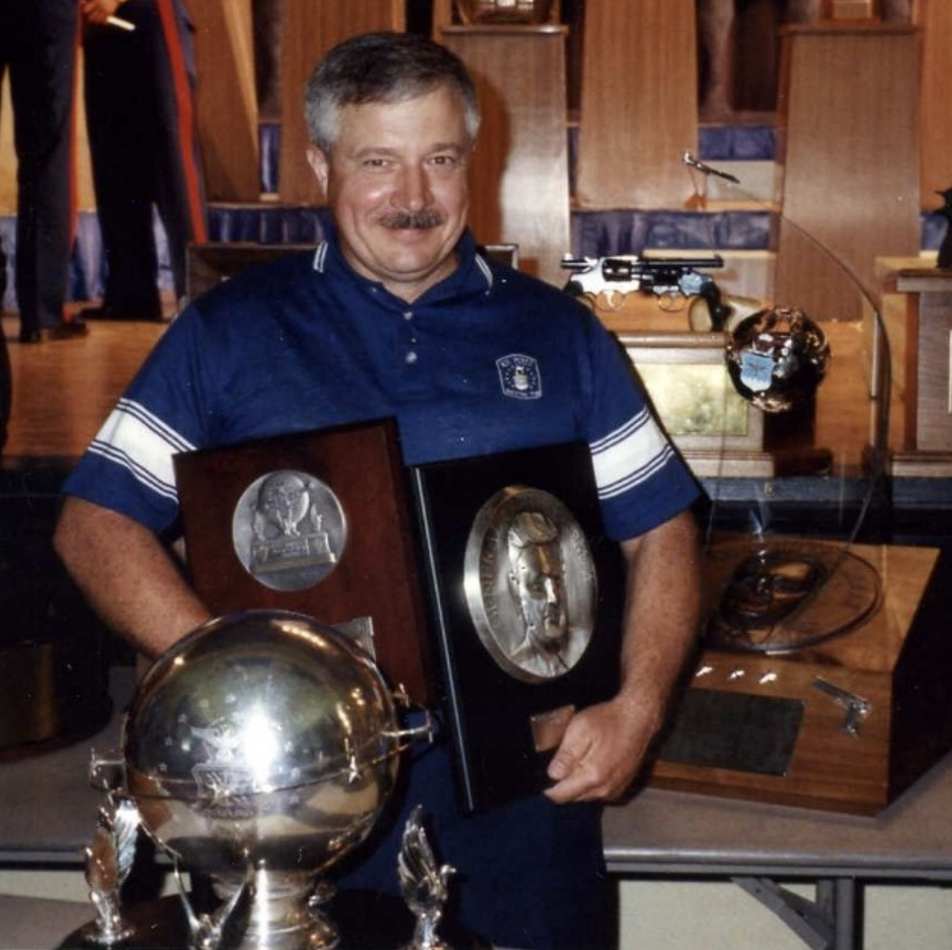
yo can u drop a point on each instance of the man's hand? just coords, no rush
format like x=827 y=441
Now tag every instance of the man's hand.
x=604 y=746
x=601 y=752
x=99 y=11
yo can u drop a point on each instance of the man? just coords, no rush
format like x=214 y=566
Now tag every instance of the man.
x=143 y=146
x=38 y=47
x=396 y=314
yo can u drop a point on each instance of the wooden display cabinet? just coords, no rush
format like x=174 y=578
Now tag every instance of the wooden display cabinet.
x=520 y=175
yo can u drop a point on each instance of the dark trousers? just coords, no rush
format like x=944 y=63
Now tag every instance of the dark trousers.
x=142 y=144
x=38 y=49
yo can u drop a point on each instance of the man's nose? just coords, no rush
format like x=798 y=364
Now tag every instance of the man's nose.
x=551 y=590
x=414 y=190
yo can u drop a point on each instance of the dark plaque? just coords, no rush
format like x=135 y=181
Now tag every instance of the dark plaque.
x=734 y=731
x=317 y=522
x=527 y=596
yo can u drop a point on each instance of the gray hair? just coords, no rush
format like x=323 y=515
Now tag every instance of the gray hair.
x=382 y=67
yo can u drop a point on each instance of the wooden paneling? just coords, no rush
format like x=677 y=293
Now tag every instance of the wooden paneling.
x=639 y=104
x=935 y=19
x=520 y=177
x=849 y=121
x=310 y=30
x=226 y=102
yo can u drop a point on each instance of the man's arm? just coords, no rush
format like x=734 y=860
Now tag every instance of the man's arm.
x=604 y=745
x=127 y=576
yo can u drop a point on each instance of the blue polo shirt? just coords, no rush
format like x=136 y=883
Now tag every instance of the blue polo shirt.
x=486 y=361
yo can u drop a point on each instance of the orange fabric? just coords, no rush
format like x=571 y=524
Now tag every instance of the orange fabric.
x=183 y=97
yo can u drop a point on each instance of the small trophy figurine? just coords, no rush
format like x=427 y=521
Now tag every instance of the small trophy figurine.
x=423 y=884
x=108 y=862
x=206 y=931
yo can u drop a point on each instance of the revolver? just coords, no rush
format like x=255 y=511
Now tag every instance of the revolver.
x=667 y=278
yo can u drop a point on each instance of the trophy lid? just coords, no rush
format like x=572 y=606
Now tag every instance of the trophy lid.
x=256 y=702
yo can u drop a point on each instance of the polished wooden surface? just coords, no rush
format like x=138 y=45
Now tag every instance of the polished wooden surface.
x=520 y=179
x=934 y=18
x=639 y=104
x=226 y=101
x=62 y=392
x=310 y=30
x=831 y=768
x=849 y=120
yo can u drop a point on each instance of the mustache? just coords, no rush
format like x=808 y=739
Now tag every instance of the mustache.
x=412 y=220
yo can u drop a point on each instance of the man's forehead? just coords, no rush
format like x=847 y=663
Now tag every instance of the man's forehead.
x=441 y=107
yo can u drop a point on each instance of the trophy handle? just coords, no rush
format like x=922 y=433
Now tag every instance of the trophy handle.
x=404 y=738
x=107 y=770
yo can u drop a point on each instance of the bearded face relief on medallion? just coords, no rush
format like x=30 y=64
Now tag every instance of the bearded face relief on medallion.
x=530 y=584
x=288 y=530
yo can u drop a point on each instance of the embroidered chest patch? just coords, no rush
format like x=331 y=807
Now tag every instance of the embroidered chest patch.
x=519 y=376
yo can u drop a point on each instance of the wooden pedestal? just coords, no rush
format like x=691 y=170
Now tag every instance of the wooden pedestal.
x=849 y=121
x=901 y=669
x=927 y=372
x=310 y=30
x=226 y=101
x=639 y=104
x=934 y=17
x=520 y=178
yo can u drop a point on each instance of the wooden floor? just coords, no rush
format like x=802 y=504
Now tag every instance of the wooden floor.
x=63 y=391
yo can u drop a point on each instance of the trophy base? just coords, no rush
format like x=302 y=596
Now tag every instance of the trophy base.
x=365 y=920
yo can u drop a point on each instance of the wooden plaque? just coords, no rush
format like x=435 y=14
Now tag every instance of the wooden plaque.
x=774 y=732
x=350 y=541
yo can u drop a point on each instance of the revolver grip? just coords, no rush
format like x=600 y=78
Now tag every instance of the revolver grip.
x=718 y=310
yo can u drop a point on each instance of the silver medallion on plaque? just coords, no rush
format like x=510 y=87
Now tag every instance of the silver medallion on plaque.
x=288 y=530
x=530 y=584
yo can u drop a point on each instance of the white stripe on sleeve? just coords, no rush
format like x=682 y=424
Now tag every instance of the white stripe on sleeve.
x=140 y=442
x=630 y=455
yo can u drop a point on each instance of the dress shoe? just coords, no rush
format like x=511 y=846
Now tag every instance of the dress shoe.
x=67 y=330
x=109 y=312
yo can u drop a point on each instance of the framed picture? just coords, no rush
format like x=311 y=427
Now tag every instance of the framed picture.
x=527 y=597
x=687 y=379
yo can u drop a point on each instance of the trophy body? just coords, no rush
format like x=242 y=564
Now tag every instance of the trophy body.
x=258 y=751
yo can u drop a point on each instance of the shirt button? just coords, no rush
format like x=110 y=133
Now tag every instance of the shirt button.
x=411 y=357
x=408 y=315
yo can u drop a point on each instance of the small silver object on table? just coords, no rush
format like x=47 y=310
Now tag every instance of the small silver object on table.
x=109 y=860
x=423 y=884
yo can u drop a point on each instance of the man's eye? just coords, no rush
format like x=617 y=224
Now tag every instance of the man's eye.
x=376 y=163
x=444 y=161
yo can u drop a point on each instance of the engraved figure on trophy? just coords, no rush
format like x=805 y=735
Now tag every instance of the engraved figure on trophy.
x=108 y=862
x=530 y=584
x=535 y=573
x=288 y=530
x=423 y=884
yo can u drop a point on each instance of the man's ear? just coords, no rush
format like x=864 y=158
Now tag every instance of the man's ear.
x=319 y=163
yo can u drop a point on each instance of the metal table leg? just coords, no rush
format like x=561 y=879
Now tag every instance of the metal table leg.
x=827 y=923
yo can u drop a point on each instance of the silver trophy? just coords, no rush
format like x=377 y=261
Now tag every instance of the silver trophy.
x=258 y=751
x=423 y=883
x=108 y=861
